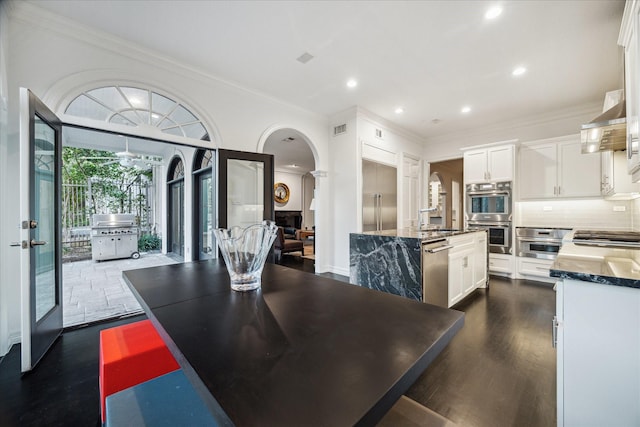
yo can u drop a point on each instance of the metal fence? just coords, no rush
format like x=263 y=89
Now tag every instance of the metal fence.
x=80 y=200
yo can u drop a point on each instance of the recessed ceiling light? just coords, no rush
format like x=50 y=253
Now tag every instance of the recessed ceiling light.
x=352 y=83
x=518 y=71
x=466 y=109
x=399 y=110
x=493 y=12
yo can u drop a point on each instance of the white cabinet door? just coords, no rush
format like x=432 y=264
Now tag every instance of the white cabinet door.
x=480 y=260
x=493 y=164
x=500 y=163
x=632 y=88
x=456 y=277
x=538 y=171
x=475 y=166
x=410 y=192
x=598 y=353
x=460 y=273
x=578 y=174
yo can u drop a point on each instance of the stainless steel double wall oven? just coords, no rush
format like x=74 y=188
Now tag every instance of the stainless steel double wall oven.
x=489 y=206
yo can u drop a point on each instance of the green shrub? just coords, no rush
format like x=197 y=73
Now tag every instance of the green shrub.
x=149 y=242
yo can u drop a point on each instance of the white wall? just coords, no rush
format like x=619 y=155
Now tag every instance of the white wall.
x=294 y=182
x=9 y=321
x=57 y=59
x=346 y=171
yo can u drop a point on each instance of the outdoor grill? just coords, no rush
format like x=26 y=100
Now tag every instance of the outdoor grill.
x=114 y=236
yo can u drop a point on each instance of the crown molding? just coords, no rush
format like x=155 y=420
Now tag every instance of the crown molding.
x=577 y=113
x=33 y=15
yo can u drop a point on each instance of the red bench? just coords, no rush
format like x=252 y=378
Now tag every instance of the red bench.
x=129 y=355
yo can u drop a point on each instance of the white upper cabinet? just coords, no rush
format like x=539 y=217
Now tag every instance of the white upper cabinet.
x=629 y=35
x=616 y=183
x=557 y=168
x=492 y=164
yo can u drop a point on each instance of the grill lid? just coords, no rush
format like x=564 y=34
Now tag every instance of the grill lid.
x=113 y=220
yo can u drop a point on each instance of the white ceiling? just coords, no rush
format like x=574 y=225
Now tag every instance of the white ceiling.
x=430 y=57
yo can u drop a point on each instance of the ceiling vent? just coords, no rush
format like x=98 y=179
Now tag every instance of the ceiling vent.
x=340 y=129
x=304 y=58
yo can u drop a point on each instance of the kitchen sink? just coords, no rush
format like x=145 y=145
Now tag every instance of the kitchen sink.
x=623 y=267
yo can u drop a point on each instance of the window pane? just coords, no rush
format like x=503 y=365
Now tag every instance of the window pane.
x=138 y=98
x=182 y=115
x=117 y=118
x=83 y=106
x=131 y=115
x=161 y=104
x=110 y=97
x=195 y=130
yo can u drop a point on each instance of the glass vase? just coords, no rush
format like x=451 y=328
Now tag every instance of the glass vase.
x=244 y=251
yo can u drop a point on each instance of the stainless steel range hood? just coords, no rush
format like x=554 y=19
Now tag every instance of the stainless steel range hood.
x=606 y=132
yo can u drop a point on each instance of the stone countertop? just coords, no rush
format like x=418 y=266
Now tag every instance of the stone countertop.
x=424 y=236
x=606 y=266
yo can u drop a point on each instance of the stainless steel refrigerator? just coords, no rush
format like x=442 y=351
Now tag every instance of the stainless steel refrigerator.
x=379 y=196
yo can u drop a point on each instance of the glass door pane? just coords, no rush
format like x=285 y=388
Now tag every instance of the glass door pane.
x=44 y=215
x=245 y=195
x=205 y=226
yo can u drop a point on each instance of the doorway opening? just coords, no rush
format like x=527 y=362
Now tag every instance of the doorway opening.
x=295 y=194
x=446 y=177
x=111 y=174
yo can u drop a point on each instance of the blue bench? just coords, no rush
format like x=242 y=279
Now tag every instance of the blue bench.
x=168 y=400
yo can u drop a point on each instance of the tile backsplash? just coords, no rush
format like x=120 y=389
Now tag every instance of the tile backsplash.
x=593 y=214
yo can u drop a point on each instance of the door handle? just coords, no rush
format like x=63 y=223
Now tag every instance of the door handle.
x=35 y=242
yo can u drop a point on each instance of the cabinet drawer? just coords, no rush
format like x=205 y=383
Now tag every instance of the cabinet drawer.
x=500 y=264
x=534 y=267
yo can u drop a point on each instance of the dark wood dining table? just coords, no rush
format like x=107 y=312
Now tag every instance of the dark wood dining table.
x=304 y=350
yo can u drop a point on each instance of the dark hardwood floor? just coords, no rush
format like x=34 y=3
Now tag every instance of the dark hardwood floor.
x=63 y=389
x=498 y=371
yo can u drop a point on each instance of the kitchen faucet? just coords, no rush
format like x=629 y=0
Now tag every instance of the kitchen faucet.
x=420 y=212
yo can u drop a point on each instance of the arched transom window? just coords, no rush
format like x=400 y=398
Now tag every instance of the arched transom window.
x=176 y=169
x=133 y=106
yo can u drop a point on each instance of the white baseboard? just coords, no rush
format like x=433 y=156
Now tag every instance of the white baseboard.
x=11 y=340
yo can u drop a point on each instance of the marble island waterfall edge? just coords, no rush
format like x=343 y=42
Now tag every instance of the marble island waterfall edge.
x=386 y=263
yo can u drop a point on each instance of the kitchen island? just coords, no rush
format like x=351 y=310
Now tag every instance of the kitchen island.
x=392 y=261
x=597 y=332
x=303 y=350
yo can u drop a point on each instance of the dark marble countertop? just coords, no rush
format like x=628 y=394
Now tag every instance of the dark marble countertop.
x=412 y=233
x=603 y=265
x=304 y=350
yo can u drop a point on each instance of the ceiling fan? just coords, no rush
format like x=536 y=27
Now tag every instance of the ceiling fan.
x=129 y=159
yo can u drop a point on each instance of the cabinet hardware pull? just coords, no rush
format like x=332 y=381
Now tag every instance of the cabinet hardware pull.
x=554 y=332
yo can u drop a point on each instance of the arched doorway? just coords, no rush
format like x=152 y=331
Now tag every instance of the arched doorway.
x=294 y=162
x=175 y=207
x=204 y=205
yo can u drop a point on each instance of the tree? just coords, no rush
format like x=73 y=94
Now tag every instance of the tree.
x=109 y=185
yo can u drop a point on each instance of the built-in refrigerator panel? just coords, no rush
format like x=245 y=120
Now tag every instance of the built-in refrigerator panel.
x=379 y=196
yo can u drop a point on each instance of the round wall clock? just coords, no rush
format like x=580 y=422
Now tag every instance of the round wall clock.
x=281 y=192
